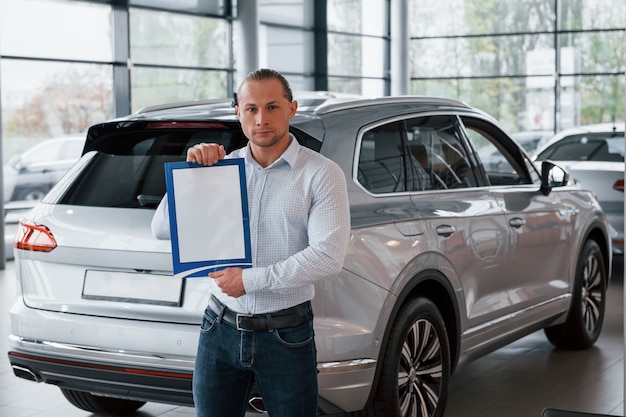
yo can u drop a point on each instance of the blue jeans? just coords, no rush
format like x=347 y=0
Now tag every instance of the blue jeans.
x=282 y=362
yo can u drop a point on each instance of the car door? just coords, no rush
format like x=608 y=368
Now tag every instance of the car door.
x=464 y=221
x=539 y=225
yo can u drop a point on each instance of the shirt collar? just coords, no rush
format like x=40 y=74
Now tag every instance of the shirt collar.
x=290 y=155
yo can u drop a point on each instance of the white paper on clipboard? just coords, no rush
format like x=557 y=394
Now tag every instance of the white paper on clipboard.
x=209 y=222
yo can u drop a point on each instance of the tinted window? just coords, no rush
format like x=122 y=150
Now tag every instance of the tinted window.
x=423 y=153
x=502 y=161
x=587 y=147
x=126 y=169
x=437 y=149
x=381 y=160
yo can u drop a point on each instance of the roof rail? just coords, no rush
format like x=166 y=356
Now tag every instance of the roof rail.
x=346 y=105
x=188 y=103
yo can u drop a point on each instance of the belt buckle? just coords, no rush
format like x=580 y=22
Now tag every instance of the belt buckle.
x=238 y=321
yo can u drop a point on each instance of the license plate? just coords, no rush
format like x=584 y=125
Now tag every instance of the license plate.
x=132 y=287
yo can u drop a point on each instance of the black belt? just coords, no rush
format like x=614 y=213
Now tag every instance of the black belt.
x=289 y=317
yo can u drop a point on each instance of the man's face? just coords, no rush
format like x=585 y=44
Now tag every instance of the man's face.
x=264 y=112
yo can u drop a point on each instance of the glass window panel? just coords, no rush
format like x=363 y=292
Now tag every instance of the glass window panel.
x=592 y=99
x=444 y=17
x=382 y=159
x=289 y=50
x=42 y=100
x=150 y=86
x=503 y=98
x=355 y=55
x=357 y=16
x=367 y=87
x=593 y=14
x=300 y=83
x=593 y=52
x=189 y=6
x=286 y=12
x=345 y=85
x=56 y=29
x=459 y=17
x=164 y=38
x=371 y=87
x=45 y=100
x=481 y=56
x=438 y=154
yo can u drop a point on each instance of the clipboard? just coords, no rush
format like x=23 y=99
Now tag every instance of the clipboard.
x=208 y=213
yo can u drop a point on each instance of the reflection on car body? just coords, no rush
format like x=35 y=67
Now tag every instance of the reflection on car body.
x=447 y=260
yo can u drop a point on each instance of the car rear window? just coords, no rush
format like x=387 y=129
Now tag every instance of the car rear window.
x=126 y=165
x=587 y=147
x=126 y=169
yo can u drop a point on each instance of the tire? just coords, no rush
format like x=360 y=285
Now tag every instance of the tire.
x=584 y=320
x=104 y=405
x=416 y=364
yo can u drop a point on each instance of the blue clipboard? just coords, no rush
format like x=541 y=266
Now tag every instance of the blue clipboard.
x=208 y=212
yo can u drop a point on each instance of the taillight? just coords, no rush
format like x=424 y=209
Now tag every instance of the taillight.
x=619 y=185
x=34 y=237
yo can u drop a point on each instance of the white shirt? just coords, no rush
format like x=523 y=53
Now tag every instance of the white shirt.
x=299 y=228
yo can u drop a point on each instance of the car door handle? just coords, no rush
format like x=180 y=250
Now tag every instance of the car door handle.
x=517 y=222
x=445 y=230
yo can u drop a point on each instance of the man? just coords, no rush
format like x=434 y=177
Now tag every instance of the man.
x=299 y=229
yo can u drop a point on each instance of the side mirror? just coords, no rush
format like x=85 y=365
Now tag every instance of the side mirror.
x=552 y=176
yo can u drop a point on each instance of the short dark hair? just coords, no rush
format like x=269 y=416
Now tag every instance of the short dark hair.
x=268 y=74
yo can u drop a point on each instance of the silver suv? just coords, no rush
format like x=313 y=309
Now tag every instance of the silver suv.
x=447 y=260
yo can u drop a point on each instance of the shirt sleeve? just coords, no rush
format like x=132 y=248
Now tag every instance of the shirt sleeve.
x=161 y=221
x=328 y=233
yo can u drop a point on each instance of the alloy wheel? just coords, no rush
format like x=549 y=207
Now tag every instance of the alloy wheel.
x=420 y=370
x=592 y=294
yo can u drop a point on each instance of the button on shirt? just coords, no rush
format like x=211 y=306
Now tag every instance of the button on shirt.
x=299 y=228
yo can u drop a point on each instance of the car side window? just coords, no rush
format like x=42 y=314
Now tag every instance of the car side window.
x=381 y=166
x=416 y=154
x=498 y=154
x=436 y=148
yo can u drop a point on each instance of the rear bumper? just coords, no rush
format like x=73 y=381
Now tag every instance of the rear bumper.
x=149 y=361
x=105 y=373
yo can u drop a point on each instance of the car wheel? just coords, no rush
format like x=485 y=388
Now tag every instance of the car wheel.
x=584 y=320
x=105 y=405
x=416 y=365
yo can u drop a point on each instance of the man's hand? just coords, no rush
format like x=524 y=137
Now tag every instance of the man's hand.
x=206 y=153
x=230 y=281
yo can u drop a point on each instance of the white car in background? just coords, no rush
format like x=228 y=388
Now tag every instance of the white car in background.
x=594 y=155
x=492 y=158
x=30 y=175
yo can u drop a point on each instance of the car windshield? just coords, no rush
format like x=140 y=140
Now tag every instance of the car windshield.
x=126 y=169
x=586 y=147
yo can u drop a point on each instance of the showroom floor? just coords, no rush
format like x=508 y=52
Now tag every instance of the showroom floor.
x=519 y=380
